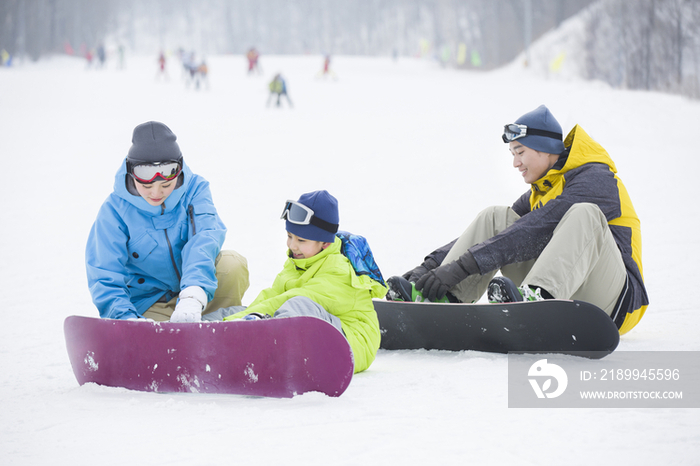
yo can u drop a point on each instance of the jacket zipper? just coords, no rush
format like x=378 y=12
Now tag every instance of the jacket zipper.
x=191 y=209
x=170 y=247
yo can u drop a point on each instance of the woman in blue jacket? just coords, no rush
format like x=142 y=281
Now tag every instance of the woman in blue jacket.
x=154 y=250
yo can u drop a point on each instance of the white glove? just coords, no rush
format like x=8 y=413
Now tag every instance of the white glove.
x=190 y=305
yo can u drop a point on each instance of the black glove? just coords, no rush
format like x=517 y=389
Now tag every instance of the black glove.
x=432 y=261
x=435 y=284
x=418 y=272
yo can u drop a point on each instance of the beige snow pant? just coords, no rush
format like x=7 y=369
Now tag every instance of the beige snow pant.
x=232 y=277
x=581 y=261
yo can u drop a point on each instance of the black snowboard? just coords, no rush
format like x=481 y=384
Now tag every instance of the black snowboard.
x=550 y=326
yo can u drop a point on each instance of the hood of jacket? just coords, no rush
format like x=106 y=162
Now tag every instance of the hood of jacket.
x=582 y=149
x=121 y=190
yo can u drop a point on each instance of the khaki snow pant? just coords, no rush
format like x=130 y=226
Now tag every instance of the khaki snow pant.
x=293 y=307
x=232 y=277
x=581 y=261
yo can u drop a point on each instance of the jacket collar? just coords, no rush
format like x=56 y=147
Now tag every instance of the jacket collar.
x=580 y=150
x=309 y=261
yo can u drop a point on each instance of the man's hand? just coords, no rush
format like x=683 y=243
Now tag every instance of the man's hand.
x=415 y=274
x=435 y=284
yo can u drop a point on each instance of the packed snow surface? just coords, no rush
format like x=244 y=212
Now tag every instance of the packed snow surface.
x=412 y=151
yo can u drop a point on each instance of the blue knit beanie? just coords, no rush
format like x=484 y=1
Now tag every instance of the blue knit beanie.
x=541 y=118
x=325 y=207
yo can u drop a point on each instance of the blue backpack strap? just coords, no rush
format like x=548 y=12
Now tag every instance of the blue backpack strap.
x=357 y=250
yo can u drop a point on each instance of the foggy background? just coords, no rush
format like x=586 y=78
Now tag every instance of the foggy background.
x=634 y=44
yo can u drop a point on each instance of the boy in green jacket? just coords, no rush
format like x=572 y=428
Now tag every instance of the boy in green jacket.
x=318 y=280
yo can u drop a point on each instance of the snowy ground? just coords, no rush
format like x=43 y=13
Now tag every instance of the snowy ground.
x=412 y=152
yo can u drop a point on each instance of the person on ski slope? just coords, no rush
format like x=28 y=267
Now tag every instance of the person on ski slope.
x=326 y=70
x=253 y=56
x=162 y=70
x=318 y=280
x=278 y=86
x=154 y=250
x=573 y=235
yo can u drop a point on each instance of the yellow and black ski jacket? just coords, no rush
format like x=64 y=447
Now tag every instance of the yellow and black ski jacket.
x=584 y=173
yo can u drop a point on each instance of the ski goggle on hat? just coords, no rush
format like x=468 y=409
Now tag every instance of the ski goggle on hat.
x=299 y=214
x=147 y=173
x=514 y=131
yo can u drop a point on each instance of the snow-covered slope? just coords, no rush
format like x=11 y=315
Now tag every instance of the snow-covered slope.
x=412 y=152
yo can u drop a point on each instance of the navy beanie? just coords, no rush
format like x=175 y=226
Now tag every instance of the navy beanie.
x=325 y=207
x=153 y=142
x=541 y=118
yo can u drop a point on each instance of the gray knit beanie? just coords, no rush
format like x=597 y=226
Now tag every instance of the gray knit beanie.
x=153 y=142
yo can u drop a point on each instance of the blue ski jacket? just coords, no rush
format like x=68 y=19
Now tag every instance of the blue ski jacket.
x=137 y=253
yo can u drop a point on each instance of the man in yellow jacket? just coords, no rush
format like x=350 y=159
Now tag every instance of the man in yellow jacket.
x=318 y=280
x=573 y=235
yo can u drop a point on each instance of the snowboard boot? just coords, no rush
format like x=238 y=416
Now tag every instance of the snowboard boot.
x=503 y=290
x=401 y=289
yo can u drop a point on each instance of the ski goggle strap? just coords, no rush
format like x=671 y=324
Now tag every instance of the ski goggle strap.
x=148 y=173
x=514 y=131
x=301 y=215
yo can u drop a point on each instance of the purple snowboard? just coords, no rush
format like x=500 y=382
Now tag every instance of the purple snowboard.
x=273 y=357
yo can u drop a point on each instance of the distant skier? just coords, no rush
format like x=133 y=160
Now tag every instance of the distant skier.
x=202 y=75
x=573 y=235
x=101 y=55
x=5 y=58
x=89 y=56
x=278 y=87
x=326 y=70
x=253 y=56
x=162 y=66
x=122 y=60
